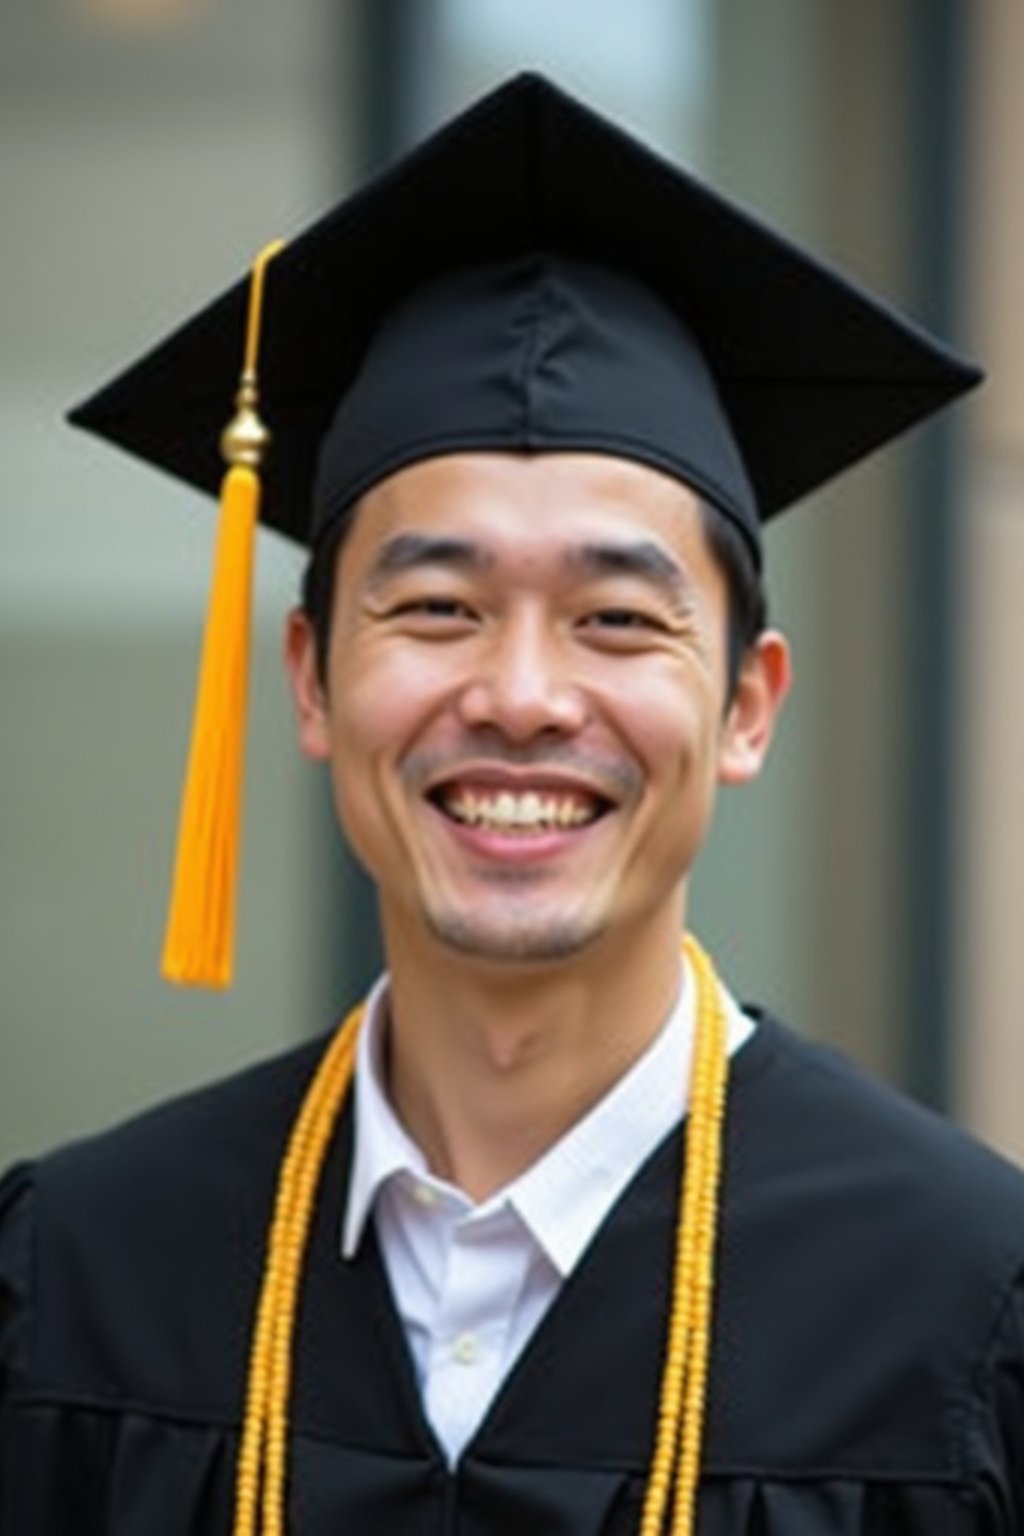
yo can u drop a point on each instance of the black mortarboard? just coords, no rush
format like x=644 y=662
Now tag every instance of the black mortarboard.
x=671 y=327
x=530 y=278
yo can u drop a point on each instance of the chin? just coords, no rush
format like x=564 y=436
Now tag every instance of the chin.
x=533 y=941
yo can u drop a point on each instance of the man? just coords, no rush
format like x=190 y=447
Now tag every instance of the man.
x=539 y=442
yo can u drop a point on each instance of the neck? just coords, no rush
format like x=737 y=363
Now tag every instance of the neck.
x=489 y=1064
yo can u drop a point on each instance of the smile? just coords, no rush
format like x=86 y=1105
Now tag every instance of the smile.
x=519 y=813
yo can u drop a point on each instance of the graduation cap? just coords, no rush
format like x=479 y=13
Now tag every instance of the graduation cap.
x=530 y=278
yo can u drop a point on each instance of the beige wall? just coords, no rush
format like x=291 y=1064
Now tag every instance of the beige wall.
x=992 y=833
x=806 y=882
x=141 y=168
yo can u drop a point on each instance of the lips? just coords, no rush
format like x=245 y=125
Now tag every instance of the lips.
x=520 y=812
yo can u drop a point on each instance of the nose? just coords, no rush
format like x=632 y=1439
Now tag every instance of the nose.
x=522 y=685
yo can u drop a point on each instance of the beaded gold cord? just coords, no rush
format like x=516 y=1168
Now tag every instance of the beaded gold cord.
x=675 y=1465
x=261 y=1481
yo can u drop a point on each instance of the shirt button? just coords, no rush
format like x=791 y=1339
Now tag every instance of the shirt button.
x=424 y=1195
x=465 y=1349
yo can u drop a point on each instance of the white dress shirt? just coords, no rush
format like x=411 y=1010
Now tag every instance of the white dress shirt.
x=472 y=1281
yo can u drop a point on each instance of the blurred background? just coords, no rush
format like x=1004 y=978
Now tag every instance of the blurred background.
x=871 y=886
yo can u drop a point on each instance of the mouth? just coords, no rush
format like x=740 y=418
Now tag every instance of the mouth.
x=528 y=812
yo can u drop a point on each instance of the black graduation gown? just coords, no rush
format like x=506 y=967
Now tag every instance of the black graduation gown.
x=868 y=1371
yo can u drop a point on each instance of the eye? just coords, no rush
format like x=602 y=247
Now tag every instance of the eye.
x=623 y=618
x=622 y=627
x=622 y=623
x=432 y=614
x=434 y=608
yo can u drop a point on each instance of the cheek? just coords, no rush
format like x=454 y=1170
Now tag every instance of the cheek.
x=677 y=737
x=384 y=702
x=359 y=729
x=377 y=694
x=672 y=726
x=368 y=720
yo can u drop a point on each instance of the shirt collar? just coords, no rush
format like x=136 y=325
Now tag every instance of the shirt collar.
x=565 y=1195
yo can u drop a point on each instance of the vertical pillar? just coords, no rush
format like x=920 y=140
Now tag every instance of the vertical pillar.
x=990 y=935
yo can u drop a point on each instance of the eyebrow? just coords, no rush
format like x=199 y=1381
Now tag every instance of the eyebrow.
x=640 y=558
x=410 y=551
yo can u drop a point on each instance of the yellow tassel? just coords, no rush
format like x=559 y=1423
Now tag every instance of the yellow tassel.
x=199 y=942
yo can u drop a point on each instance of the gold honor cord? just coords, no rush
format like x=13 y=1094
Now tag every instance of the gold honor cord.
x=261 y=1482
x=675 y=1465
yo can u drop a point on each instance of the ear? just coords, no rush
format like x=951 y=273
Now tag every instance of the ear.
x=309 y=695
x=761 y=689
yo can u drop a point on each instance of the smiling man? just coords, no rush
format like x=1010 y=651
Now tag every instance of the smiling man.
x=526 y=704
x=561 y=1239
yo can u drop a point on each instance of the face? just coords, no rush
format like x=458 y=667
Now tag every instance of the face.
x=524 y=706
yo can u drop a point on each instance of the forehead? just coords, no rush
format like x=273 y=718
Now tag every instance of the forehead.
x=537 y=507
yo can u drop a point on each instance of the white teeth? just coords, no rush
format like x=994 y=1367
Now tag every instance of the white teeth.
x=531 y=809
x=528 y=812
